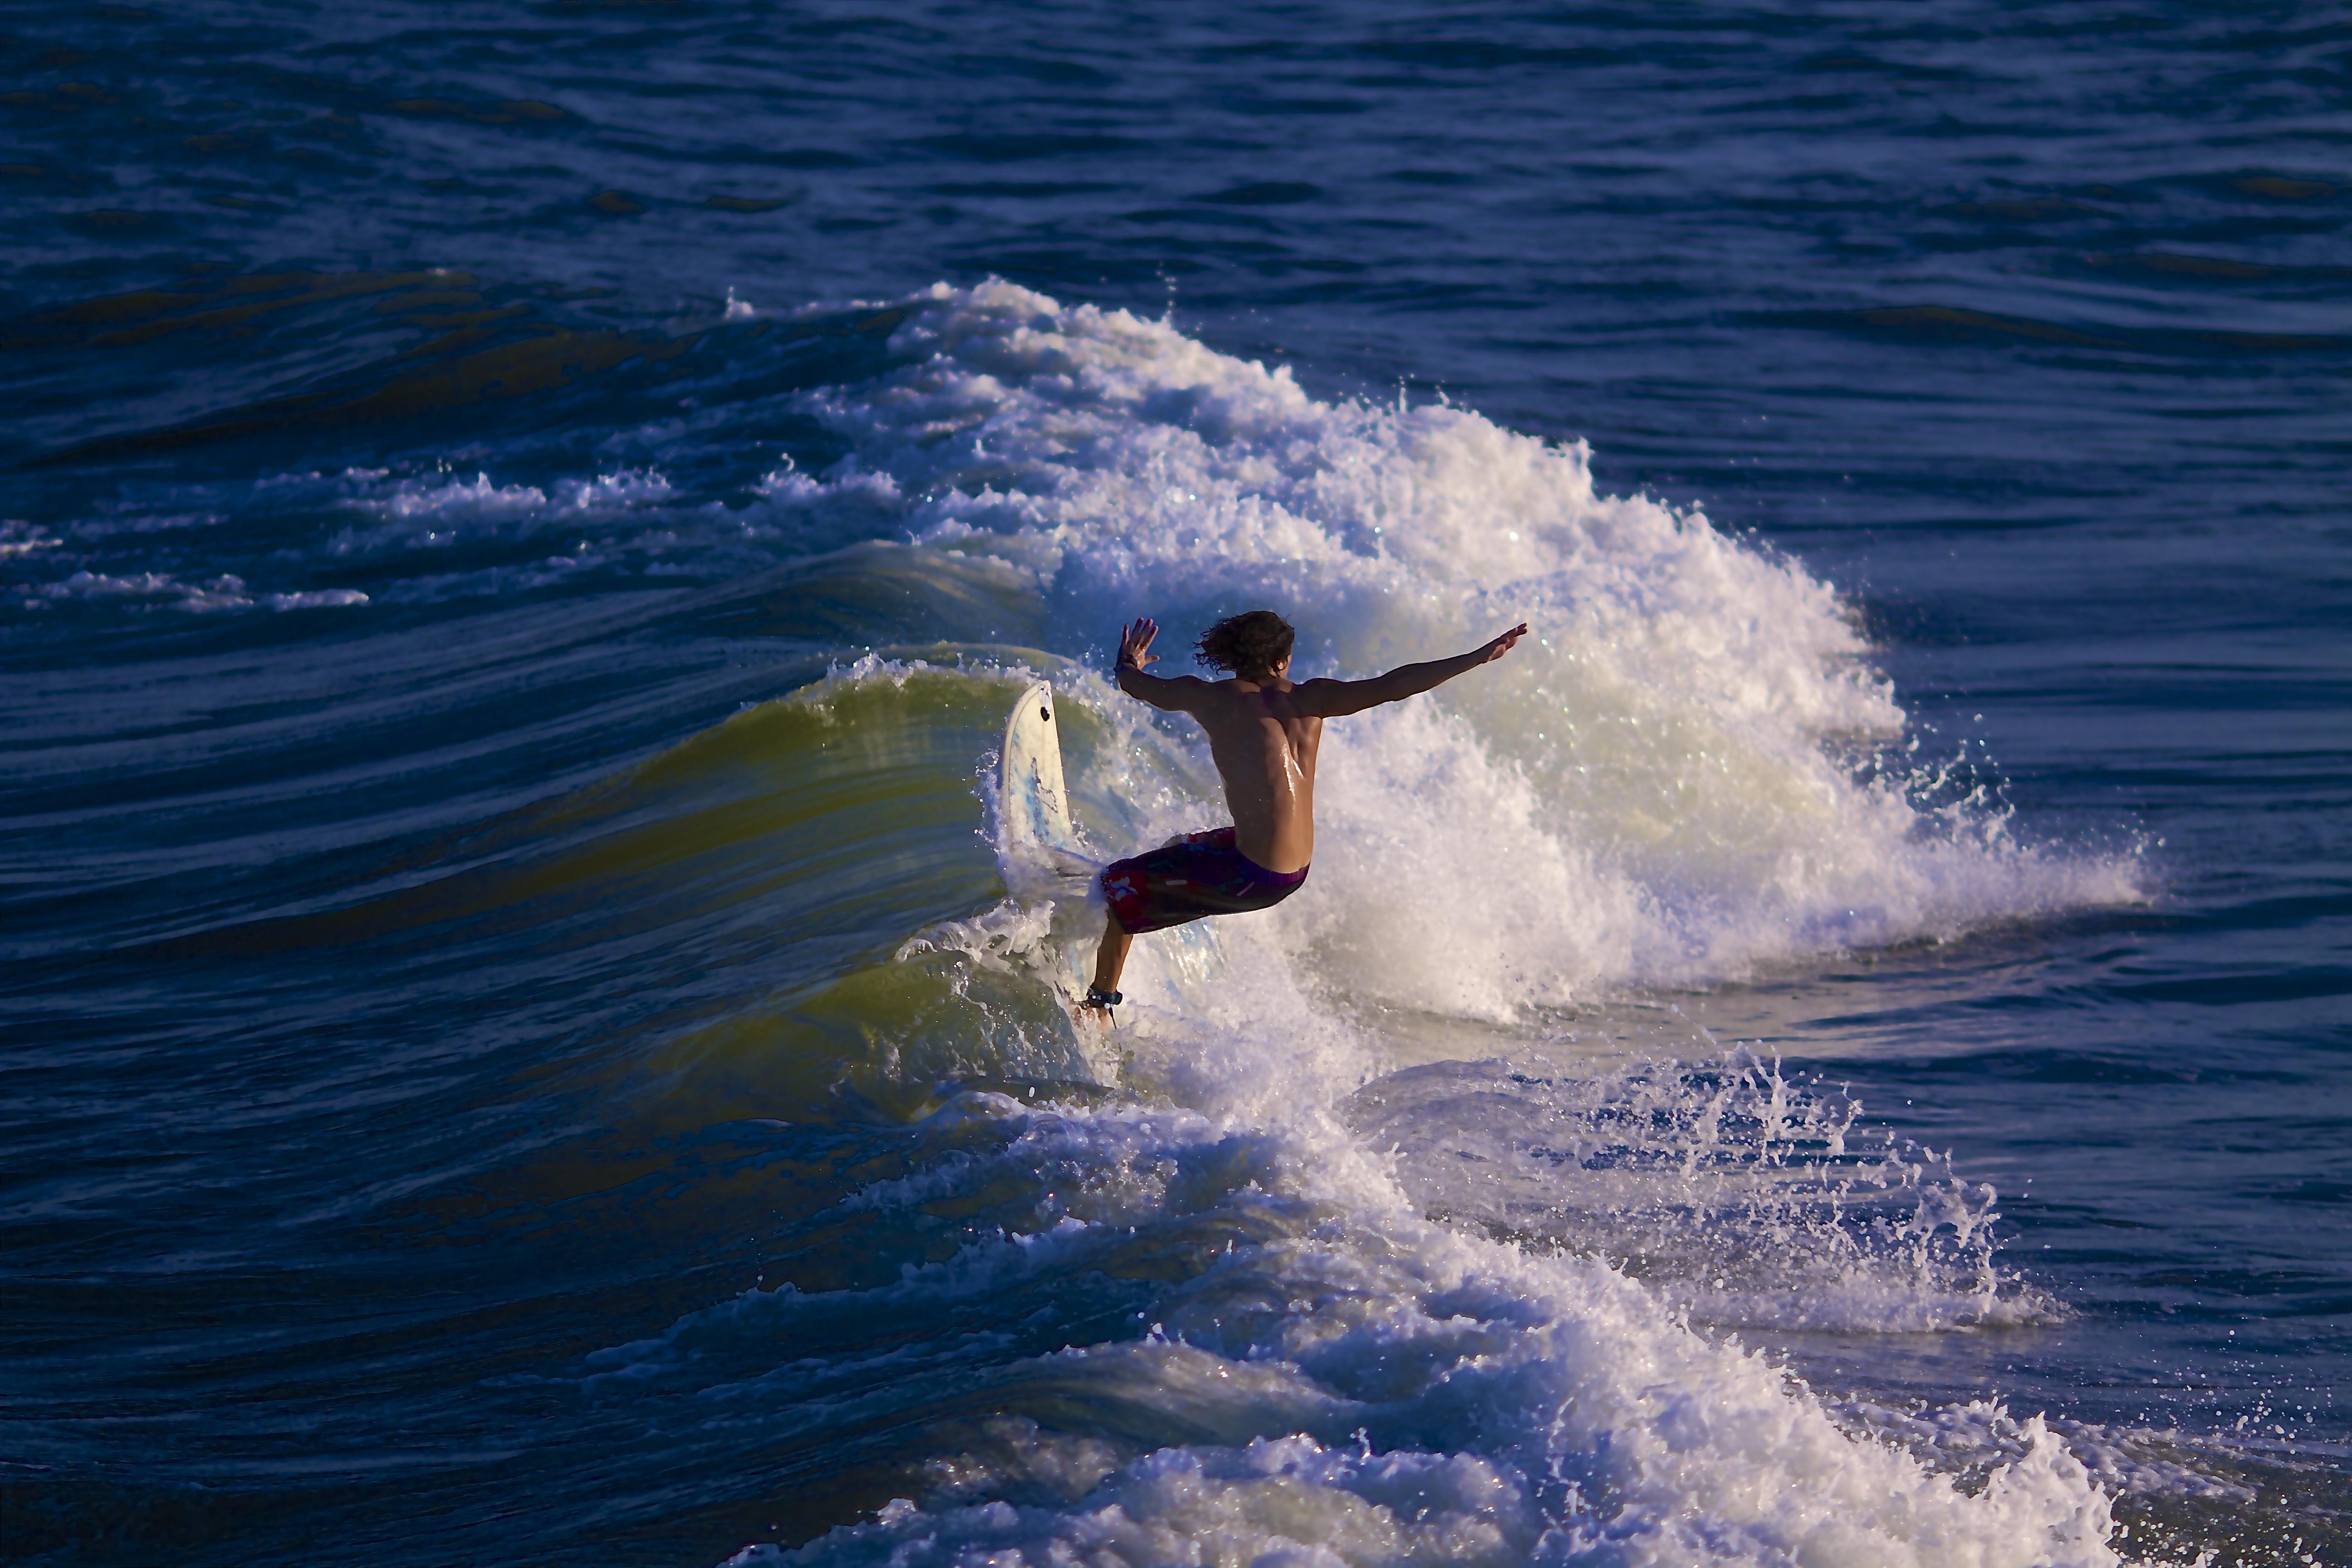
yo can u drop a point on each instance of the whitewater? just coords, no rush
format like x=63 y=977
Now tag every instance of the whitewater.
x=1692 y=773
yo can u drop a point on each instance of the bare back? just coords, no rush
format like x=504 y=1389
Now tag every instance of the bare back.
x=1264 y=749
x=1264 y=730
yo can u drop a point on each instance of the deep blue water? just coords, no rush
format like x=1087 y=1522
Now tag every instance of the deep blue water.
x=469 y=1095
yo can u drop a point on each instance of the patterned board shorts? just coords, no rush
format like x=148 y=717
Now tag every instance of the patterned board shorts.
x=1198 y=875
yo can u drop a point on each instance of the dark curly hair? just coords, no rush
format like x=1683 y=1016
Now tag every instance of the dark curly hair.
x=1250 y=643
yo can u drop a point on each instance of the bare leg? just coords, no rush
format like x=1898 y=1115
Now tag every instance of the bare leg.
x=1110 y=960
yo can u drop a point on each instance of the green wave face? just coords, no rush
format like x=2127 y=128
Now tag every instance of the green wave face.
x=841 y=822
x=792 y=849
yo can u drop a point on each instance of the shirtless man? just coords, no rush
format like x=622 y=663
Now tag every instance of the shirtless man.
x=1263 y=733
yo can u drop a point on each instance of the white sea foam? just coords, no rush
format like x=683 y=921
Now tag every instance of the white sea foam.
x=20 y=537
x=1409 y=1387
x=1644 y=792
x=315 y=599
x=626 y=522
x=1641 y=793
x=1742 y=1196
x=1420 y=1394
x=224 y=592
x=432 y=513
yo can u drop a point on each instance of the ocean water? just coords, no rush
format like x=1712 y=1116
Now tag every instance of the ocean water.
x=518 y=528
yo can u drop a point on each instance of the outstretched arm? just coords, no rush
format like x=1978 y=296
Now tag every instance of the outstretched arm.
x=1332 y=698
x=1180 y=695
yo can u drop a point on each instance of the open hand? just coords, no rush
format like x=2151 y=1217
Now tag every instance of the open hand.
x=1134 y=642
x=1504 y=644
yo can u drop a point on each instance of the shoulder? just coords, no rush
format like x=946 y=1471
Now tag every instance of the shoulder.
x=1230 y=700
x=1325 y=698
x=1183 y=693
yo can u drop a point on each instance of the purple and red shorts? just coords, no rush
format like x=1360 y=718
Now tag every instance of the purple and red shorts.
x=1188 y=877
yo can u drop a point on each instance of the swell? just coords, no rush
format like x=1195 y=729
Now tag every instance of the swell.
x=752 y=980
x=570 y=1033
x=1662 y=778
x=1658 y=787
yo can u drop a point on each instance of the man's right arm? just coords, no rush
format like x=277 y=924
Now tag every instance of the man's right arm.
x=1336 y=699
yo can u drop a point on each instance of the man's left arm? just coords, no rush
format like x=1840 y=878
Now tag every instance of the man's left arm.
x=1179 y=694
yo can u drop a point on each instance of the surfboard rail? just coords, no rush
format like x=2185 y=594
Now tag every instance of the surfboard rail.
x=1037 y=844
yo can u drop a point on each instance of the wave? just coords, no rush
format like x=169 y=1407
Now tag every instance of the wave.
x=1344 y=1380
x=1369 y=1370
x=1659 y=787
x=1193 y=1291
x=1227 y=1277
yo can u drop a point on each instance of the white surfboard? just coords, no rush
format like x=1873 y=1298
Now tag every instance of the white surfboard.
x=1042 y=856
x=1037 y=846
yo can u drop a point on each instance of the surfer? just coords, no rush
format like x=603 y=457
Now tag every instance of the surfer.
x=1262 y=734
